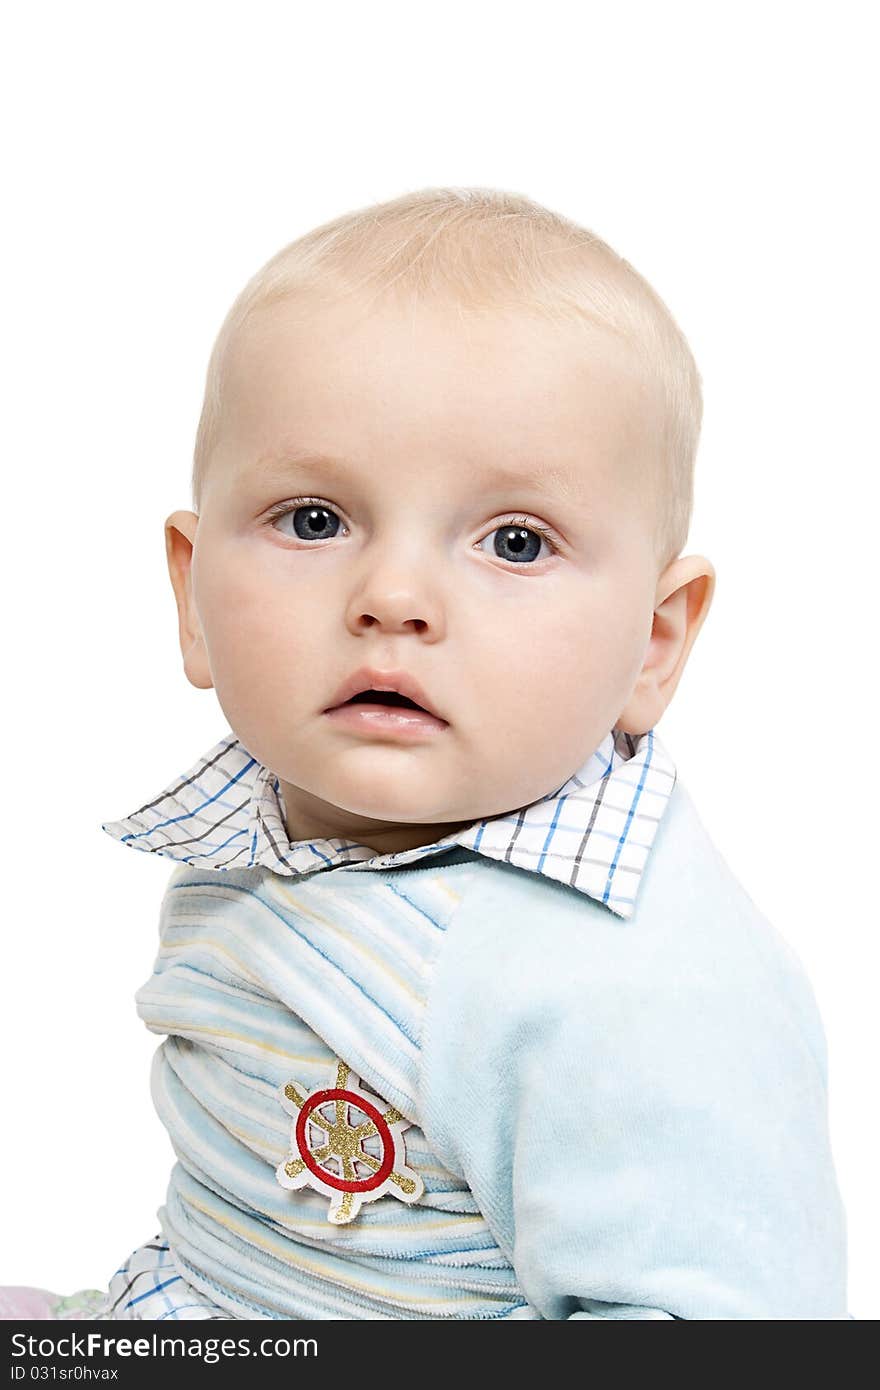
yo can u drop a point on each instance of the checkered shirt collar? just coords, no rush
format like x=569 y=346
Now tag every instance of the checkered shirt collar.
x=593 y=833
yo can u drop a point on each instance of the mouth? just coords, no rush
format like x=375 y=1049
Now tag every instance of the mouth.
x=385 y=713
x=391 y=698
x=394 y=690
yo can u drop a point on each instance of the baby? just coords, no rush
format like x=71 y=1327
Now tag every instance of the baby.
x=464 y=1015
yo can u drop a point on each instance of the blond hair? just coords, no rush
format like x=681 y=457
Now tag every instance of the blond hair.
x=486 y=248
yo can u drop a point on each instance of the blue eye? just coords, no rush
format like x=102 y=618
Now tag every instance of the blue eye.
x=519 y=542
x=312 y=520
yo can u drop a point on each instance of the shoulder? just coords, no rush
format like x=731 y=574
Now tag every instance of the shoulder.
x=526 y=932
x=690 y=908
x=526 y=954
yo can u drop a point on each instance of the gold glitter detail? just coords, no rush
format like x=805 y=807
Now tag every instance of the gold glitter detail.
x=405 y=1184
x=344 y=1141
x=296 y=1165
x=316 y=1118
x=368 y=1129
x=343 y=1212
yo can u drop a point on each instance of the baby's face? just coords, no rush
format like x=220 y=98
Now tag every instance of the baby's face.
x=456 y=442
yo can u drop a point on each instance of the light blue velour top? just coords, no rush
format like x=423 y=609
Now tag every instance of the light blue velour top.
x=640 y=1108
x=610 y=1065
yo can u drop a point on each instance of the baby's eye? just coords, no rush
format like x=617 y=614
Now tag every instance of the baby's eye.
x=519 y=541
x=311 y=521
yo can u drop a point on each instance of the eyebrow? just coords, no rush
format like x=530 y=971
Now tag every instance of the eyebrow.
x=546 y=477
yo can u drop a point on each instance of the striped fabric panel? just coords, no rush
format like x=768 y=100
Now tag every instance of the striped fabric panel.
x=254 y=1269
x=594 y=833
x=254 y=972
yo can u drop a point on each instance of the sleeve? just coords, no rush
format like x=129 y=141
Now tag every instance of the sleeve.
x=646 y=1134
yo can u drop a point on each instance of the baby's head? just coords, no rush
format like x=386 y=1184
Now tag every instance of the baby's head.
x=452 y=437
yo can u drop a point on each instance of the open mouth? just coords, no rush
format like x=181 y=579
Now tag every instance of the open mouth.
x=385 y=714
x=382 y=697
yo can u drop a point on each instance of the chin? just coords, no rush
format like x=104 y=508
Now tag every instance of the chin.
x=393 y=810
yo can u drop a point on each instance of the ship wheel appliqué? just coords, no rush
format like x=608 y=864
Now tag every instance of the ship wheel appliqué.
x=346 y=1144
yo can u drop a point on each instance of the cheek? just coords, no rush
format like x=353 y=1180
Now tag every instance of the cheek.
x=576 y=635
x=549 y=668
x=254 y=623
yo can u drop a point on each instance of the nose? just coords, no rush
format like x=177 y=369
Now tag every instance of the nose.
x=396 y=597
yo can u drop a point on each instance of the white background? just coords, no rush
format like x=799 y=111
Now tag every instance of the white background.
x=155 y=156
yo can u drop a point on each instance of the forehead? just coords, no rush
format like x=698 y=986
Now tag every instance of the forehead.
x=347 y=385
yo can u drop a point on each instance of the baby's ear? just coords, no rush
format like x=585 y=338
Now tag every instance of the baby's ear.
x=180 y=536
x=684 y=594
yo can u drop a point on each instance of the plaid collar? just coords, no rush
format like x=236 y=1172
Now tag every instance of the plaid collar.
x=594 y=833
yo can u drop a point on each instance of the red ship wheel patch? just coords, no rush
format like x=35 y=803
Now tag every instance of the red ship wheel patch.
x=347 y=1144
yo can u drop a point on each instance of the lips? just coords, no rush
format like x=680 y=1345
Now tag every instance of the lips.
x=398 y=683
